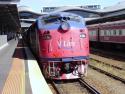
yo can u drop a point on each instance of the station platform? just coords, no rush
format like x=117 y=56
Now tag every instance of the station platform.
x=19 y=71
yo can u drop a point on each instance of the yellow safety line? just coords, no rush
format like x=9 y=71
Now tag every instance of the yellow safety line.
x=15 y=83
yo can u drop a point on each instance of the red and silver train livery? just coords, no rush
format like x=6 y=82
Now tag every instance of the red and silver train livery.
x=61 y=42
x=109 y=34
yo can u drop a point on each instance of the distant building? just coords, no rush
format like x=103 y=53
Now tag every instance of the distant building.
x=51 y=9
x=91 y=7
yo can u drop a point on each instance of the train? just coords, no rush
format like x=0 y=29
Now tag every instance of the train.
x=61 y=42
x=110 y=35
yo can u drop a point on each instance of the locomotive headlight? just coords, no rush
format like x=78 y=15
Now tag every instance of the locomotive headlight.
x=82 y=35
x=64 y=27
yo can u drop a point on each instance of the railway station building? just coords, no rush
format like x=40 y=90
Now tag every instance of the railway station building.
x=51 y=9
x=111 y=13
x=92 y=16
x=27 y=17
x=9 y=20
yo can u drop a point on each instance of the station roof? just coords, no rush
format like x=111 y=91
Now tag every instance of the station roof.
x=105 y=19
x=9 y=1
x=111 y=13
x=70 y=8
x=27 y=16
x=119 y=6
x=24 y=8
x=77 y=10
x=25 y=23
x=9 y=16
x=27 y=9
x=107 y=11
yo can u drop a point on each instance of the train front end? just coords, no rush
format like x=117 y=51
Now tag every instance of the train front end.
x=64 y=46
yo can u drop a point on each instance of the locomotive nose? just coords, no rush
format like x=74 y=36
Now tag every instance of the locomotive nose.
x=64 y=27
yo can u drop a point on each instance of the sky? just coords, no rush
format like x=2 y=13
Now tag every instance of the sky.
x=37 y=5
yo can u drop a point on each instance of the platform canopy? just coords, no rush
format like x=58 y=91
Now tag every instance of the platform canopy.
x=9 y=18
x=9 y=1
x=108 y=18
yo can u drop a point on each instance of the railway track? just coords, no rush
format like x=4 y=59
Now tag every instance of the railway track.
x=89 y=87
x=53 y=87
x=109 y=54
x=78 y=86
x=114 y=66
x=107 y=73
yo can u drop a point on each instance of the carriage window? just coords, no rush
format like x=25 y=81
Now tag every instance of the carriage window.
x=105 y=32
x=91 y=32
x=123 y=31
x=94 y=33
x=114 y=32
x=120 y=32
x=102 y=33
x=111 y=32
x=108 y=32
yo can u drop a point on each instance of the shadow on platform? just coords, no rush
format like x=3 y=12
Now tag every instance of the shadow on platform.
x=19 y=51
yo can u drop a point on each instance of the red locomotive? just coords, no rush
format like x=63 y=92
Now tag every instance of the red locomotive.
x=109 y=34
x=61 y=42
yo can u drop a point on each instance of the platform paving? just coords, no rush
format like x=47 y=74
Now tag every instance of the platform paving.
x=19 y=71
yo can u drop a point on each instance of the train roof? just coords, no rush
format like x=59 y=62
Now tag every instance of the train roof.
x=120 y=22
x=60 y=14
x=63 y=14
x=116 y=22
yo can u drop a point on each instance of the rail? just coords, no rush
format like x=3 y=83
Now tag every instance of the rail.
x=90 y=88
x=108 y=74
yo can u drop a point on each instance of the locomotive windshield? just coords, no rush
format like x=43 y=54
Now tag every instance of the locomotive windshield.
x=56 y=18
x=51 y=19
x=75 y=18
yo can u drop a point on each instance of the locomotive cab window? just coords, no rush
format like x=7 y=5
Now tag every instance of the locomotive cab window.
x=75 y=19
x=51 y=19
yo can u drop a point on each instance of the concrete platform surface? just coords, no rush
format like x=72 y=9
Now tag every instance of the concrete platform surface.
x=19 y=72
